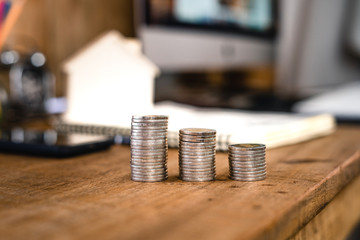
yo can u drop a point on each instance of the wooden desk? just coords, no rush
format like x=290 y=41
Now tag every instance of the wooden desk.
x=311 y=187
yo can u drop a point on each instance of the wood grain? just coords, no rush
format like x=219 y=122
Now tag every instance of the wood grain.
x=92 y=196
x=337 y=219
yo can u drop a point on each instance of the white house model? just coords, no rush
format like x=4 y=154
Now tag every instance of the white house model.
x=108 y=81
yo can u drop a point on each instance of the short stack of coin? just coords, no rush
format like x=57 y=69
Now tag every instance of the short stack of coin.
x=149 y=148
x=197 y=154
x=247 y=162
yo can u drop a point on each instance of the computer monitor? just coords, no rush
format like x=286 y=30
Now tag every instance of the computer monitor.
x=183 y=35
x=303 y=40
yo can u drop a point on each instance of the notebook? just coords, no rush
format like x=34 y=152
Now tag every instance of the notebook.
x=232 y=126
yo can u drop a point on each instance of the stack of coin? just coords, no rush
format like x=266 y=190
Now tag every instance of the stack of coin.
x=149 y=148
x=247 y=162
x=197 y=154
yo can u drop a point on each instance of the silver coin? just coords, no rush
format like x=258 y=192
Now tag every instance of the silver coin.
x=246 y=158
x=193 y=157
x=149 y=124
x=247 y=166
x=150 y=148
x=196 y=175
x=147 y=166
x=197 y=136
x=247 y=175
x=158 y=149
x=146 y=172
x=149 y=179
x=209 y=141
x=134 y=128
x=247 y=163
x=152 y=155
x=148 y=163
x=247 y=179
x=197 y=179
x=139 y=120
x=148 y=137
x=148 y=175
x=147 y=145
x=197 y=170
x=139 y=153
x=196 y=153
x=196 y=143
x=150 y=117
x=197 y=166
x=149 y=158
x=197 y=150
x=188 y=145
x=196 y=163
x=146 y=132
x=139 y=156
x=247 y=171
x=197 y=160
x=148 y=140
x=231 y=173
x=247 y=154
x=185 y=145
x=247 y=147
x=149 y=131
x=197 y=131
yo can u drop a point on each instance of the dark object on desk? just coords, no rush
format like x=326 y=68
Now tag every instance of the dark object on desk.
x=51 y=143
x=31 y=86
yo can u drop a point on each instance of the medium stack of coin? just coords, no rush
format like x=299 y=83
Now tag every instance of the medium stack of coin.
x=149 y=148
x=197 y=154
x=247 y=162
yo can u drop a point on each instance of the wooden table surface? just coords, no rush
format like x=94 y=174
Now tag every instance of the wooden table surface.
x=92 y=196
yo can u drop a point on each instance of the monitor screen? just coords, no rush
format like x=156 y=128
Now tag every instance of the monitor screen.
x=186 y=35
x=252 y=17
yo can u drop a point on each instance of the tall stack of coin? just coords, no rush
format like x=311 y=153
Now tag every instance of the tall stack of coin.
x=197 y=154
x=247 y=162
x=149 y=148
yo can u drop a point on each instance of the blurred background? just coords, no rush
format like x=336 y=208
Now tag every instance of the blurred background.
x=245 y=54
